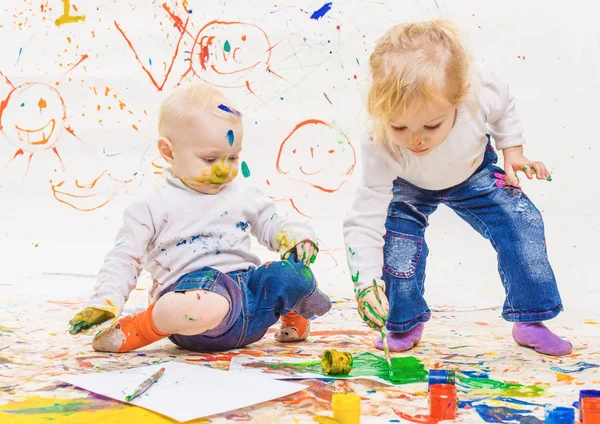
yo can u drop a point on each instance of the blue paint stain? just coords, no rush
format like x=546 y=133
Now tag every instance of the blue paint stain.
x=227 y=109
x=475 y=374
x=150 y=61
x=319 y=13
x=578 y=367
x=194 y=238
x=491 y=414
x=190 y=11
x=181 y=242
x=242 y=226
x=20 y=51
x=230 y=137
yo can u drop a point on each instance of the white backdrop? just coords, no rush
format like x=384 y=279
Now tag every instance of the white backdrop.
x=80 y=93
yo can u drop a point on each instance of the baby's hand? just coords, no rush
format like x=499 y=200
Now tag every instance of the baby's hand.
x=374 y=312
x=306 y=251
x=88 y=318
x=515 y=161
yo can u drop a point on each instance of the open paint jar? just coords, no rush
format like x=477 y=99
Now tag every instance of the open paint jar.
x=442 y=401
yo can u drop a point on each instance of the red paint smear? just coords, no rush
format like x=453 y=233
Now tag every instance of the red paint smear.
x=421 y=419
x=158 y=87
x=84 y=57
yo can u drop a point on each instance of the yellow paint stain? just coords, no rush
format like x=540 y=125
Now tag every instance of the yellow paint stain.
x=77 y=411
x=474 y=162
x=591 y=322
x=566 y=378
x=67 y=18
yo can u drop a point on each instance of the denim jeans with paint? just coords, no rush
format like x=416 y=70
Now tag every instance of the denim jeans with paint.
x=500 y=213
x=257 y=297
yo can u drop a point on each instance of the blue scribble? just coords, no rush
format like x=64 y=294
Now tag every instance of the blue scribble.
x=227 y=109
x=579 y=366
x=475 y=374
x=242 y=226
x=230 y=137
x=319 y=13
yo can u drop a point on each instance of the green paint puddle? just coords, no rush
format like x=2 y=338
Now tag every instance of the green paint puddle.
x=501 y=388
x=404 y=370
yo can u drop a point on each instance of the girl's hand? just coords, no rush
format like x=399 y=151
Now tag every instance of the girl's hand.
x=306 y=251
x=515 y=161
x=372 y=311
x=88 y=318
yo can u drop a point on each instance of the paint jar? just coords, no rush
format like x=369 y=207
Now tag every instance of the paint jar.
x=590 y=410
x=583 y=394
x=442 y=377
x=346 y=408
x=559 y=415
x=336 y=363
x=442 y=401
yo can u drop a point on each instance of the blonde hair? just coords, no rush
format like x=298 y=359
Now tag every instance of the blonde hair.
x=413 y=64
x=182 y=104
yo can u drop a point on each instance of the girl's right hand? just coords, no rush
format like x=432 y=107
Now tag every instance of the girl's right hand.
x=88 y=318
x=373 y=311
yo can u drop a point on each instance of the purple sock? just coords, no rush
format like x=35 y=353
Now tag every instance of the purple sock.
x=539 y=337
x=400 y=342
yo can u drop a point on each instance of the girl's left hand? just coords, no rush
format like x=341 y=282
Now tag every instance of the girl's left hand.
x=515 y=161
x=306 y=251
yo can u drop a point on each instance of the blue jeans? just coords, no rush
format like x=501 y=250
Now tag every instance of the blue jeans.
x=500 y=213
x=257 y=297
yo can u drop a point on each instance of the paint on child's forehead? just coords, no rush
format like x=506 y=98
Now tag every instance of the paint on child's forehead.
x=230 y=137
x=227 y=109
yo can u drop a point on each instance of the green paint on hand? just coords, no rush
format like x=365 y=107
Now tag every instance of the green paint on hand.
x=227 y=46
x=355 y=277
x=245 y=170
x=549 y=179
x=303 y=256
x=524 y=168
x=313 y=258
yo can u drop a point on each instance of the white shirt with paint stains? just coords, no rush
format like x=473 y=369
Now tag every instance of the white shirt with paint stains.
x=453 y=162
x=174 y=230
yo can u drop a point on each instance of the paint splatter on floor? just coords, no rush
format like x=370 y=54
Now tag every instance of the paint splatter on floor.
x=498 y=380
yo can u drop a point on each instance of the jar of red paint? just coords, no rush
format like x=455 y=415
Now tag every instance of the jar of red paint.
x=442 y=401
x=590 y=410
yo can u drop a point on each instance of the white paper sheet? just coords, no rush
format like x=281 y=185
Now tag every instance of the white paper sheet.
x=239 y=365
x=185 y=392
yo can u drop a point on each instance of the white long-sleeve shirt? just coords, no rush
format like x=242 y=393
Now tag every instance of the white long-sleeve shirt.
x=174 y=230
x=453 y=162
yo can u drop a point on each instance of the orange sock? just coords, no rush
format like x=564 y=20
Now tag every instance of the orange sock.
x=139 y=330
x=296 y=321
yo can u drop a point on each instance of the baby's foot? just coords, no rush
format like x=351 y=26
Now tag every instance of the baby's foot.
x=129 y=333
x=400 y=342
x=293 y=328
x=539 y=337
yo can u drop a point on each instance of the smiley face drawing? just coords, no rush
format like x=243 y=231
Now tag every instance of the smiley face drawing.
x=317 y=153
x=32 y=117
x=230 y=54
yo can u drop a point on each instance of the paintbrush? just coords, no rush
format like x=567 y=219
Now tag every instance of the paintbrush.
x=386 y=349
x=146 y=384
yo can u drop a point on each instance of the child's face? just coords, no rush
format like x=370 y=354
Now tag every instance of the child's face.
x=424 y=130
x=204 y=154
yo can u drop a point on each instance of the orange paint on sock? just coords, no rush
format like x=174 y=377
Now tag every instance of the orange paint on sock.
x=296 y=321
x=139 y=330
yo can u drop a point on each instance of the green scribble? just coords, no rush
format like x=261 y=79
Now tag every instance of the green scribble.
x=352 y=252
x=357 y=61
x=355 y=277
